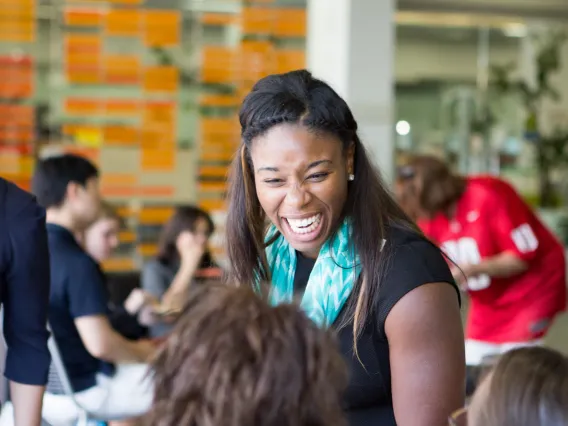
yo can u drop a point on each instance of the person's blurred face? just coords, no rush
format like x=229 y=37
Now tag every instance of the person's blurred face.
x=201 y=232
x=101 y=238
x=407 y=196
x=301 y=183
x=84 y=202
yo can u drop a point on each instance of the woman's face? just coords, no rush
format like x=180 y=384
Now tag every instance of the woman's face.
x=101 y=238
x=301 y=183
x=201 y=231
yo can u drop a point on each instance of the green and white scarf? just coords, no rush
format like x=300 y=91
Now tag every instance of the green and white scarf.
x=331 y=281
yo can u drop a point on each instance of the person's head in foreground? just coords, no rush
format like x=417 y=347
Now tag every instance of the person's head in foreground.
x=425 y=186
x=67 y=186
x=527 y=387
x=302 y=167
x=233 y=360
x=101 y=238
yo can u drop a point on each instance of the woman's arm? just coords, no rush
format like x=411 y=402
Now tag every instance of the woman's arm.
x=190 y=250
x=503 y=265
x=427 y=358
x=181 y=282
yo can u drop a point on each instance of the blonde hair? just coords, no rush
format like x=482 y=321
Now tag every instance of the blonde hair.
x=527 y=387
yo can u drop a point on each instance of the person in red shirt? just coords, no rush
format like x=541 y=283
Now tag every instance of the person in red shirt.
x=510 y=264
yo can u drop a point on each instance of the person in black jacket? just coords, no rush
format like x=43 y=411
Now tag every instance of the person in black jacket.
x=24 y=293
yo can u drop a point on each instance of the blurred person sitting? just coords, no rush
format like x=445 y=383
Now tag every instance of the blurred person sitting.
x=511 y=265
x=24 y=293
x=100 y=240
x=104 y=368
x=234 y=360
x=182 y=255
x=527 y=387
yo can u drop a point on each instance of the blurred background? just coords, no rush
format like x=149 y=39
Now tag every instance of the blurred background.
x=149 y=90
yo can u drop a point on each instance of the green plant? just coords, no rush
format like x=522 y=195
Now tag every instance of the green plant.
x=552 y=148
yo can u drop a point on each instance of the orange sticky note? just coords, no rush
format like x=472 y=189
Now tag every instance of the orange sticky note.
x=161 y=79
x=157 y=159
x=122 y=107
x=218 y=64
x=162 y=28
x=122 y=69
x=83 y=16
x=121 y=135
x=124 y=23
x=82 y=106
x=290 y=22
x=257 y=20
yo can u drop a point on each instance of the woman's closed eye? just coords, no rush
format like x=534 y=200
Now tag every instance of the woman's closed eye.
x=315 y=177
x=274 y=181
x=318 y=177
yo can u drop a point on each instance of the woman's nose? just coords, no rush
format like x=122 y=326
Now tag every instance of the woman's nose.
x=297 y=197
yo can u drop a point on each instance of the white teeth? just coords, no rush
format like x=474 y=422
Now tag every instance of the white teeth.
x=305 y=226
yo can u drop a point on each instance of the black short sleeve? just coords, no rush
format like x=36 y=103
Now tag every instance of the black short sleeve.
x=86 y=289
x=413 y=261
x=26 y=292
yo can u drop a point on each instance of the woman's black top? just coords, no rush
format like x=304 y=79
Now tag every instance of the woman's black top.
x=415 y=261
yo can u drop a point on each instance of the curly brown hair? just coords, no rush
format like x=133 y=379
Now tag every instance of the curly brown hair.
x=234 y=360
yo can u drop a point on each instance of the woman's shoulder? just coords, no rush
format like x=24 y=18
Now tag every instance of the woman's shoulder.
x=406 y=236
x=412 y=261
x=412 y=254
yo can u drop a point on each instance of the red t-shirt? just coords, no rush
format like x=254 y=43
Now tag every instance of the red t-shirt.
x=491 y=218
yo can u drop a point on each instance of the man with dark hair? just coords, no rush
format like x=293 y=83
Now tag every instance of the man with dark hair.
x=24 y=293
x=68 y=187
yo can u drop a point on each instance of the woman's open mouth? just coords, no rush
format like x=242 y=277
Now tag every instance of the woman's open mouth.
x=305 y=229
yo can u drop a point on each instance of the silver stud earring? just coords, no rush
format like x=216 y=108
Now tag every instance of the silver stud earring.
x=351 y=177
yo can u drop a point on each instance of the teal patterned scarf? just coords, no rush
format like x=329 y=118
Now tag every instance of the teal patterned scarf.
x=331 y=281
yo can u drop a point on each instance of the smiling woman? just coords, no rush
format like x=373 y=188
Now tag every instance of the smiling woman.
x=287 y=182
x=309 y=214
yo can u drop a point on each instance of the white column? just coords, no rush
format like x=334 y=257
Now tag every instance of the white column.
x=350 y=45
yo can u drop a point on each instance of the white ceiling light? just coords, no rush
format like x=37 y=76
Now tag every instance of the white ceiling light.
x=403 y=128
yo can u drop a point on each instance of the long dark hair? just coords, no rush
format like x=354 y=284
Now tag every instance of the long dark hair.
x=299 y=98
x=234 y=360
x=183 y=219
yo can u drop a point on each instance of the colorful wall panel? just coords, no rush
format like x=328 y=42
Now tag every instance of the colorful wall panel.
x=17 y=86
x=121 y=106
x=147 y=119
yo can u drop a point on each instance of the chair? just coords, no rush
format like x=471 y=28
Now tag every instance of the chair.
x=58 y=384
